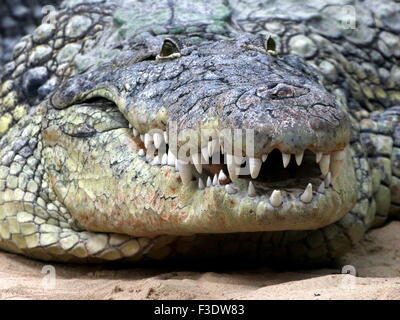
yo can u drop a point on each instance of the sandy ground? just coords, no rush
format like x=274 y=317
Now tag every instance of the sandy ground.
x=376 y=259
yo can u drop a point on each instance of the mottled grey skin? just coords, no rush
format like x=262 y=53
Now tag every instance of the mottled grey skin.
x=73 y=186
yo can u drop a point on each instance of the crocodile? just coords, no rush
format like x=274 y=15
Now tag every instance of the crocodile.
x=120 y=122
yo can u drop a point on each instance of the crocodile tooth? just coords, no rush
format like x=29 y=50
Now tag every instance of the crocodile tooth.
x=204 y=152
x=255 y=167
x=232 y=168
x=216 y=146
x=264 y=157
x=306 y=197
x=201 y=184
x=142 y=153
x=166 y=138
x=230 y=159
x=130 y=126
x=142 y=137
x=299 y=158
x=339 y=155
x=230 y=189
x=222 y=177
x=158 y=140
x=171 y=159
x=328 y=180
x=156 y=161
x=324 y=164
x=185 y=171
x=164 y=160
x=321 y=188
x=318 y=156
x=239 y=160
x=232 y=171
x=213 y=146
x=276 y=198
x=196 y=158
x=148 y=140
x=210 y=148
x=135 y=132
x=337 y=162
x=286 y=159
x=335 y=168
x=251 y=191
x=209 y=182
x=151 y=151
x=215 y=180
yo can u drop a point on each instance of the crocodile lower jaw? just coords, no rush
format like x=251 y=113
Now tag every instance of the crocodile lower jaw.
x=229 y=208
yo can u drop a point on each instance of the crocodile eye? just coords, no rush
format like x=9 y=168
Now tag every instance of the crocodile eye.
x=270 y=46
x=171 y=49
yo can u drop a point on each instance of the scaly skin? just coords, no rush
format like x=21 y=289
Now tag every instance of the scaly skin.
x=18 y=18
x=74 y=185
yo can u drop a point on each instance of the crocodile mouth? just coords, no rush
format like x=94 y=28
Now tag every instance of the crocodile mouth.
x=135 y=184
x=274 y=177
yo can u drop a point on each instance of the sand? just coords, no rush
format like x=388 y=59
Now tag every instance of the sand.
x=376 y=260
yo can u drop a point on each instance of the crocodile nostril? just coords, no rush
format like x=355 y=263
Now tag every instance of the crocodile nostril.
x=282 y=92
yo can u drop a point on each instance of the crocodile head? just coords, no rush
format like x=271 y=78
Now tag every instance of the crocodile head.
x=214 y=137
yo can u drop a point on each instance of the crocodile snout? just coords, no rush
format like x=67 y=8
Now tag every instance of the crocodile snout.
x=294 y=129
